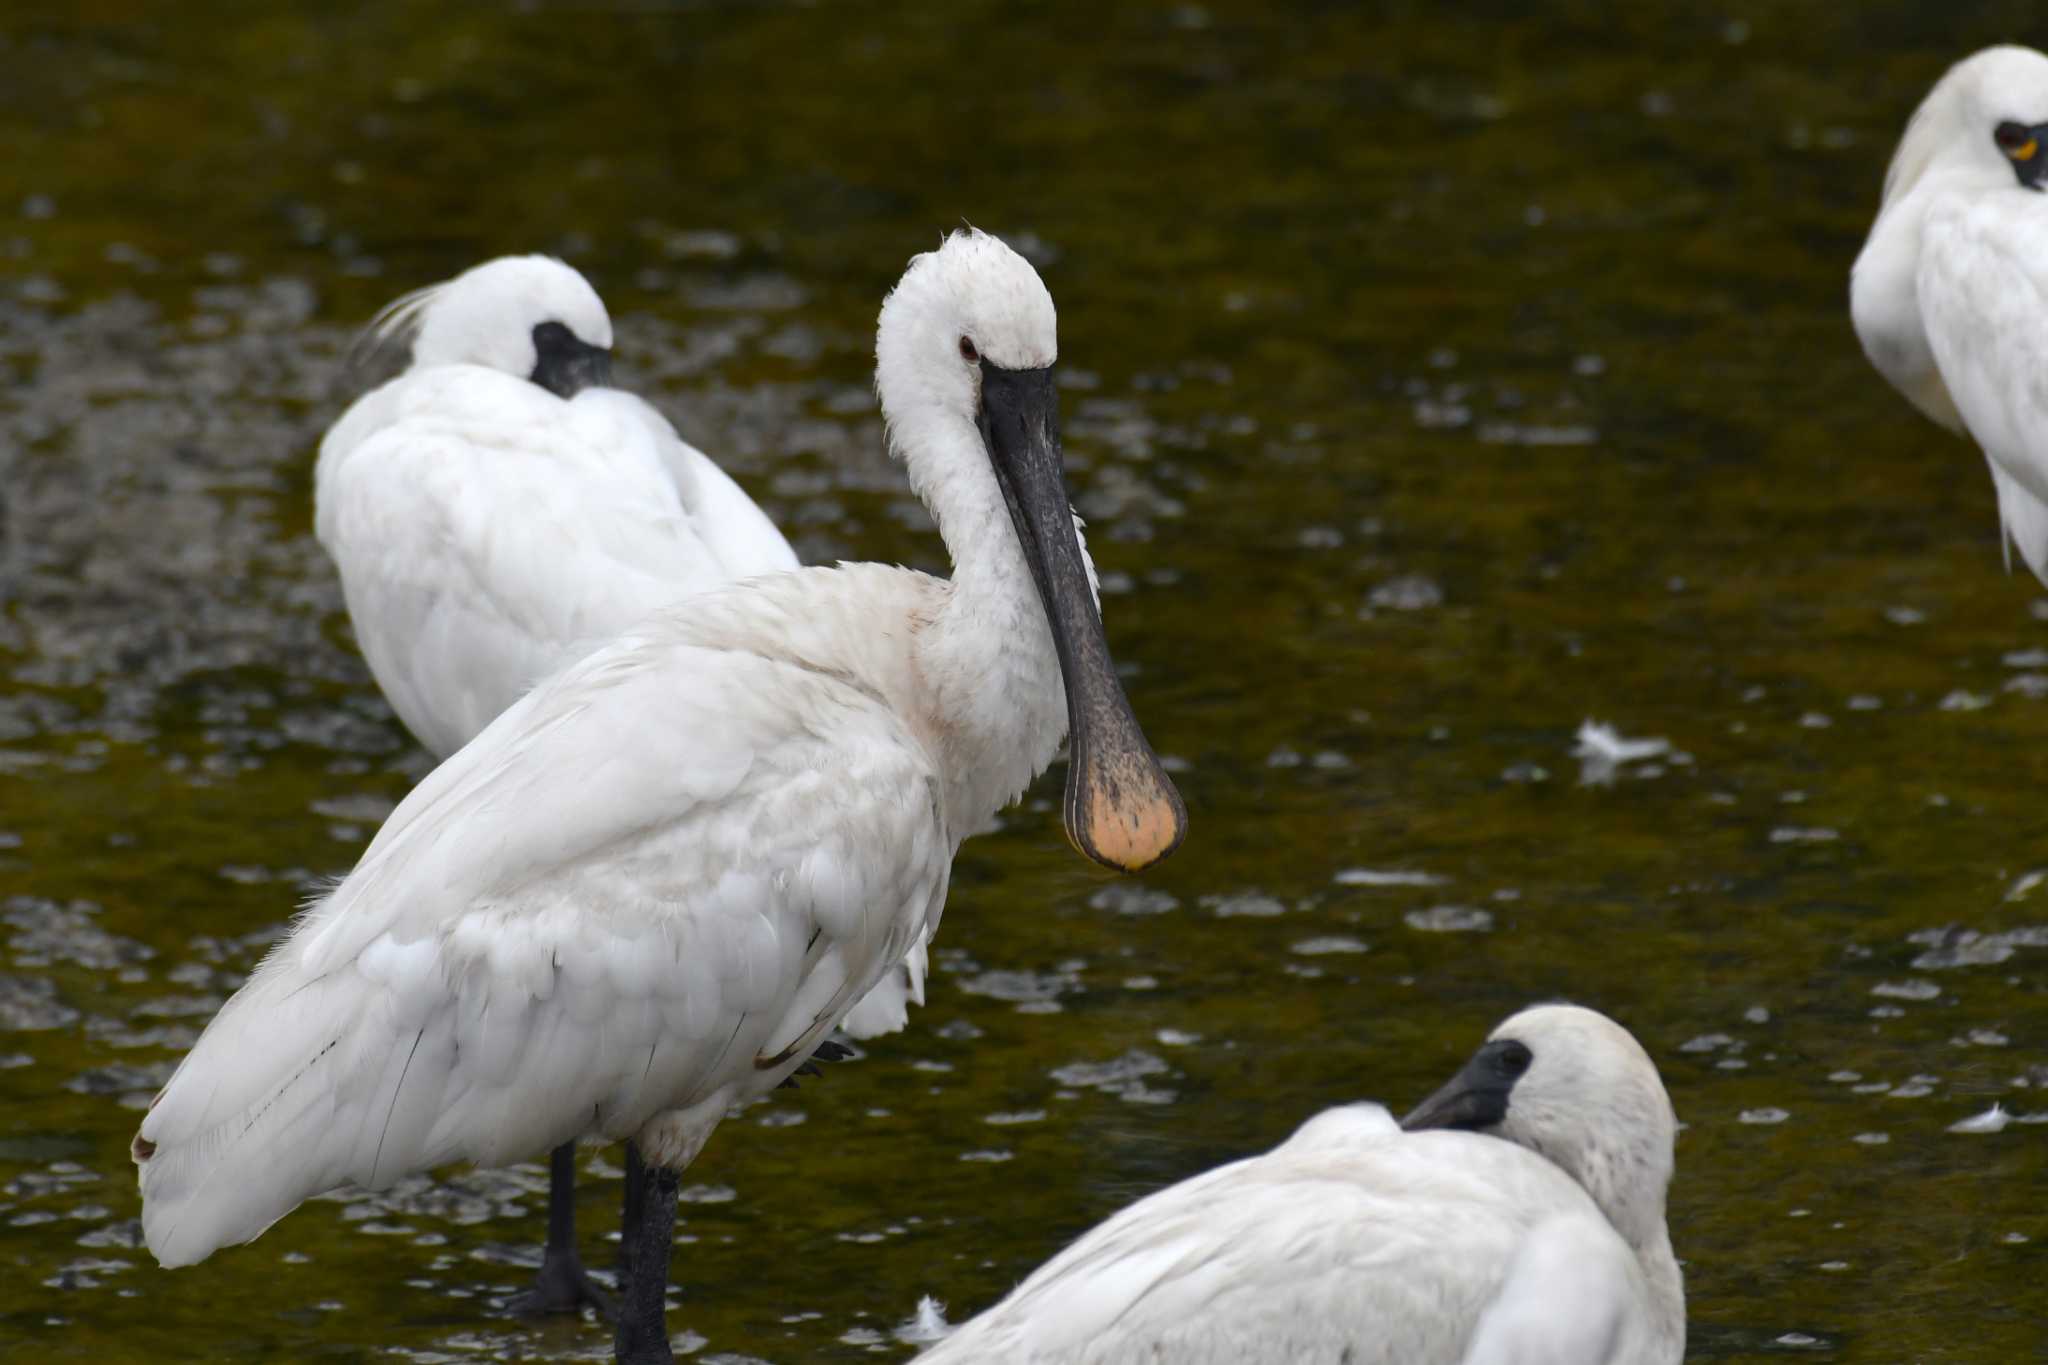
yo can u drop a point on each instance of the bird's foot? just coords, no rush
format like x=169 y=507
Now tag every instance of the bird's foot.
x=827 y=1051
x=562 y=1286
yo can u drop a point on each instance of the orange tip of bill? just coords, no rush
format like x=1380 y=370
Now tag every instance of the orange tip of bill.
x=1126 y=831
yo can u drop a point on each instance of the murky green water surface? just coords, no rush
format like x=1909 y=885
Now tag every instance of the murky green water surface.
x=1436 y=377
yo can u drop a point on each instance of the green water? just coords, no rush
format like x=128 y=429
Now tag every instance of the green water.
x=1539 y=307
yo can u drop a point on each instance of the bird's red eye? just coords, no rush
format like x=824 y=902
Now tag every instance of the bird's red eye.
x=967 y=351
x=2012 y=136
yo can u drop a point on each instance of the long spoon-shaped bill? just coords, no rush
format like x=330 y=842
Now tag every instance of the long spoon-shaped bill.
x=1121 y=808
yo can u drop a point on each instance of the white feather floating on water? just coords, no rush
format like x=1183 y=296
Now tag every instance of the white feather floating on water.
x=1598 y=739
x=1601 y=750
x=1992 y=1120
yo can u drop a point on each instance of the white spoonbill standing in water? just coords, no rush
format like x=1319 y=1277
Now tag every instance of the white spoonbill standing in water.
x=1950 y=292
x=1516 y=1217
x=649 y=889
x=497 y=510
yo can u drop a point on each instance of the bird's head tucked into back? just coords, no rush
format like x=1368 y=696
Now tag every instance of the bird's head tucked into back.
x=1574 y=1086
x=528 y=316
x=1985 y=123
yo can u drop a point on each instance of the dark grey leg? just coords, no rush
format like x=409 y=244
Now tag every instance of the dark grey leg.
x=562 y=1286
x=629 y=1211
x=642 y=1337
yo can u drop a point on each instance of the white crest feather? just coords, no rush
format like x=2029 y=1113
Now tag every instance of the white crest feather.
x=396 y=322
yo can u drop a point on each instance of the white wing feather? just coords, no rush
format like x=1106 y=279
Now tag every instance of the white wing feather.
x=737 y=532
x=1983 y=299
x=745 y=542
x=654 y=883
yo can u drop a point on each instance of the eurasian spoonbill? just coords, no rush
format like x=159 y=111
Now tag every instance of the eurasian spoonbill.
x=648 y=890
x=1516 y=1217
x=1949 y=293
x=498 y=509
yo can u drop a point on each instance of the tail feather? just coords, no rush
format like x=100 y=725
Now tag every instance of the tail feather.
x=295 y=1088
x=2025 y=520
x=200 y=1189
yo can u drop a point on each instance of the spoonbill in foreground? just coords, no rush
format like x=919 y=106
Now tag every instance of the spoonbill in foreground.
x=648 y=890
x=496 y=511
x=1515 y=1218
x=1950 y=291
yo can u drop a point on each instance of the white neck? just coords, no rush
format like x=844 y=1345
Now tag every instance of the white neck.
x=986 y=657
x=1628 y=1184
x=1667 y=1289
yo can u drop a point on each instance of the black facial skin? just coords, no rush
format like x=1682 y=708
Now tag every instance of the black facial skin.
x=2026 y=147
x=566 y=364
x=1111 y=762
x=1477 y=1097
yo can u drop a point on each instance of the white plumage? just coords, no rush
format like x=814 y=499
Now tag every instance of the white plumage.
x=488 y=530
x=498 y=510
x=1949 y=291
x=1537 y=1239
x=643 y=893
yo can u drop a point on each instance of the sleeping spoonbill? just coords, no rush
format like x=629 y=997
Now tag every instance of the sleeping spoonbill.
x=1516 y=1217
x=649 y=889
x=1950 y=291
x=497 y=510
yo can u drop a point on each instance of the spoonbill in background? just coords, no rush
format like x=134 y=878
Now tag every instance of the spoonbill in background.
x=1516 y=1217
x=648 y=890
x=496 y=511
x=1950 y=292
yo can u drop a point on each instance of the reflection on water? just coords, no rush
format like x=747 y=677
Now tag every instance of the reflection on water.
x=1434 y=382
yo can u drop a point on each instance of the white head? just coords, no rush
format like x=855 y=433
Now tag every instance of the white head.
x=964 y=354
x=529 y=316
x=1574 y=1086
x=974 y=300
x=1983 y=123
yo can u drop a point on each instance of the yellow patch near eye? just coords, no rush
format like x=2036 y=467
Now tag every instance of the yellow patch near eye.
x=2025 y=151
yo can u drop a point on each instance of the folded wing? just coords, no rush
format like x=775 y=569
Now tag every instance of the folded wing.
x=487 y=532
x=1982 y=296
x=655 y=881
